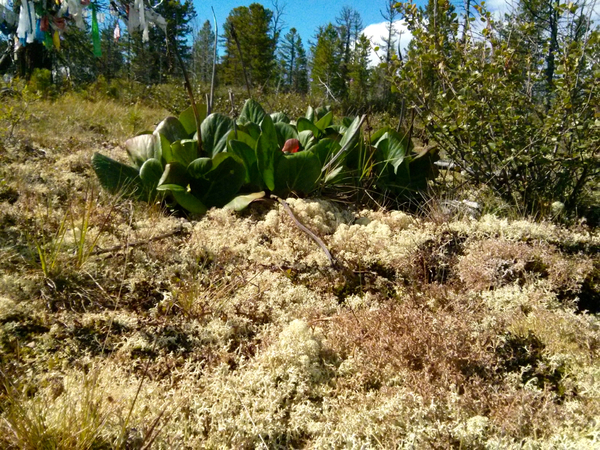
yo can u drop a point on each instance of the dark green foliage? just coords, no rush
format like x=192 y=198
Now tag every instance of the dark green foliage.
x=324 y=63
x=251 y=26
x=155 y=60
x=215 y=129
x=298 y=172
x=514 y=106
x=293 y=64
x=117 y=178
x=238 y=161
x=217 y=183
x=267 y=151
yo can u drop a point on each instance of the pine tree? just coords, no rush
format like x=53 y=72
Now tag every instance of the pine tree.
x=36 y=54
x=251 y=26
x=293 y=70
x=390 y=16
x=203 y=53
x=349 y=25
x=155 y=60
x=112 y=62
x=325 y=63
x=76 y=56
x=358 y=71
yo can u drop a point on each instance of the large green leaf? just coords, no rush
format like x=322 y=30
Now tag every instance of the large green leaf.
x=188 y=120
x=171 y=187
x=412 y=175
x=305 y=124
x=325 y=149
x=324 y=121
x=310 y=113
x=151 y=173
x=280 y=117
x=172 y=129
x=251 y=129
x=184 y=151
x=297 y=172
x=143 y=147
x=307 y=139
x=348 y=142
x=346 y=122
x=422 y=168
x=392 y=149
x=215 y=129
x=117 y=178
x=321 y=112
x=165 y=145
x=267 y=151
x=243 y=137
x=190 y=202
x=352 y=133
x=221 y=184
x=242 y=201
x=251 y=112
x=174 y=173
x=378 y=134
x=285 y=132
x=248 y=156
x=199 y=167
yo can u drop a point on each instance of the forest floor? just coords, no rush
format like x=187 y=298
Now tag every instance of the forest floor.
x=125 y=326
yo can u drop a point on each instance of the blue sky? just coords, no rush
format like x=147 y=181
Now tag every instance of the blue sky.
x=307 y=15
x=304 y=15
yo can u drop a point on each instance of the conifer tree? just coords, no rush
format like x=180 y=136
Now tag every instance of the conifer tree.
x=349 y=25
x=390 y=15
x=358 y=71
x=39 y=48
x=155 y=60
x=293 y=69
x=112 y=62
x=325 y=63
x=251 y=28
x=203 y=53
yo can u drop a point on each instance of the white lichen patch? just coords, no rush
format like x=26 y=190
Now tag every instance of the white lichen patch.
x=273 y=241
x=321 y=216
x=473 y=431
x=7 y=308
x=268 y=399
x=523 y=230
x=272 y=294
x=513 y=297
x=377 y=242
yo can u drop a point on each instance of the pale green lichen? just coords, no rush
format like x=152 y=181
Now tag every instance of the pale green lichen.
x=7 y=308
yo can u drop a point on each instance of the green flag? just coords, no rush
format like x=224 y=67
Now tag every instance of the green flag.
x=95 y=33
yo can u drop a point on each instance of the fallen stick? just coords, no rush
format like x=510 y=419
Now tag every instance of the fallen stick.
x=175 y=232
x=333 y=261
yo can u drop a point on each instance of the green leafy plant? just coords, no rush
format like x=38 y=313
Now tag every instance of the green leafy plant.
x=515 y=107
x=230 y=163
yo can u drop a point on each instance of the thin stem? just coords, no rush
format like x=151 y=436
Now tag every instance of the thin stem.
x=190 y=92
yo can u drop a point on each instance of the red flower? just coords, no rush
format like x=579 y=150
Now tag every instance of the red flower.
x=291 y=146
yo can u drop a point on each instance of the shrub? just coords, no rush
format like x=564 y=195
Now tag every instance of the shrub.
x=514 y=107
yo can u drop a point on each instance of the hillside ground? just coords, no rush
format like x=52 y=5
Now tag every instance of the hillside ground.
x=123 y=325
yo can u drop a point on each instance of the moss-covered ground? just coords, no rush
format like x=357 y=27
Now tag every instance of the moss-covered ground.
x=124 y=325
